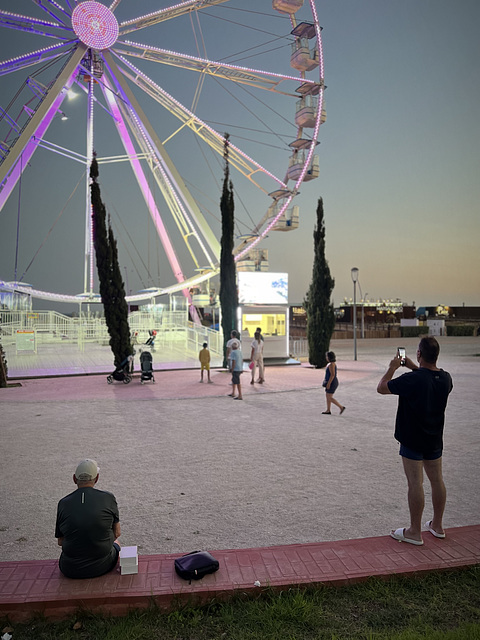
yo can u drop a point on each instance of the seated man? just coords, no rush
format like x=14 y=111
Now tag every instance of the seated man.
x=87 y=527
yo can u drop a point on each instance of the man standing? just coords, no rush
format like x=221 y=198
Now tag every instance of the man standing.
x=87 y=526
x=423 y=395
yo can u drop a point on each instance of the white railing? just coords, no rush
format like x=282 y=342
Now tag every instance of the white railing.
x=197 y=335
x=298 y=347
x=171 y=329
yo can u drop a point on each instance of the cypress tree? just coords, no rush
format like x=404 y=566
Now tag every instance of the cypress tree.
x=318 y=304
x=228 y=279
x=112 y=289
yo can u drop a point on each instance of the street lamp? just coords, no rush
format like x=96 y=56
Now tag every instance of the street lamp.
x=354 y=273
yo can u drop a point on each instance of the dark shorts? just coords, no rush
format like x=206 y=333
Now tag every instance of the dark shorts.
x=333 y=387
x=91 y=572
x=116 y=546
x=405 y=452
x=236 y=377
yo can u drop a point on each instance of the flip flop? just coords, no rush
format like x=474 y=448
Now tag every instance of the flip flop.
x=428 y=526
x=399 y=534
x=230 y=395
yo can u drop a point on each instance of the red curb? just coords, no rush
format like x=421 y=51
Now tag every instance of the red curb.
x=37 y=586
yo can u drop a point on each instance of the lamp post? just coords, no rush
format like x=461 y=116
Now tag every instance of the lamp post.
x=354 y=273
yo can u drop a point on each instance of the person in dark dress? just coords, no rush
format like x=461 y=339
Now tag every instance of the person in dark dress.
x=331 y=384
x=87 y=526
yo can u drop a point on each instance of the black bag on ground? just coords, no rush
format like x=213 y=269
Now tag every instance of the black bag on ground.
x=195 y=565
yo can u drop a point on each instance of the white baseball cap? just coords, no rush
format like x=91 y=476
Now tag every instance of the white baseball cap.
x=87 y=470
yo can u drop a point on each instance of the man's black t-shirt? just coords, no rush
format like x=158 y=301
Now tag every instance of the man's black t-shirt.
x=85 y=520
x=423 y=396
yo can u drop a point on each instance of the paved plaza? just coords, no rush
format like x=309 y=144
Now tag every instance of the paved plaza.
x=193 y=469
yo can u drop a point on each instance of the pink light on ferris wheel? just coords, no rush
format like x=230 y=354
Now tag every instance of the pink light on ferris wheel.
x=95 y=25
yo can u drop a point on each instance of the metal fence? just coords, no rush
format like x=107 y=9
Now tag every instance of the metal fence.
x=172 y=329
x=298 y=347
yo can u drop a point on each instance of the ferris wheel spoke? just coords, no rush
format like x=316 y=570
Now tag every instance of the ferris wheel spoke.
x=31 y=25
x=48 y=5
x=34 y=57
x=243 y=75
x=123 y=113
x=182 y=205
x=237 y=158
x=22 y=149
x=129 y=147
x=166 y=14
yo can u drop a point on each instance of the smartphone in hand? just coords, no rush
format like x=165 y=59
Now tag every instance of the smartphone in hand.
x=402 y=354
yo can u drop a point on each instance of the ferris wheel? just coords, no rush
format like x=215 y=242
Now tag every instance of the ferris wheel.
x=90 y=49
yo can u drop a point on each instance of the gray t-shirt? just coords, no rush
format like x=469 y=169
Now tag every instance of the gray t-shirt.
x=237 y=359
x=85 y=520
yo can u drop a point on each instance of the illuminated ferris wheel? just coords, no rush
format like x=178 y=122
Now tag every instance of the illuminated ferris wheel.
x=88 y=48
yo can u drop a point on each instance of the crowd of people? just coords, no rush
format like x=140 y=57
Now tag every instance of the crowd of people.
x=88 y=522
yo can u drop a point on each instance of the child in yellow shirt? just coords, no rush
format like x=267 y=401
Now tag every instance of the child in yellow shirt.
x=204 y=357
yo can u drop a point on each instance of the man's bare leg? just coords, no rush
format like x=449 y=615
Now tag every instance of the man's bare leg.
x=433 y=469
x=416 y=497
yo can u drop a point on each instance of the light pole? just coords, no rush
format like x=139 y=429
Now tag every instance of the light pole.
x=354 y=273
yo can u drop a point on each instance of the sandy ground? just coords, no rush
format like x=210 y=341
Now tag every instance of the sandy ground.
x=193 y=469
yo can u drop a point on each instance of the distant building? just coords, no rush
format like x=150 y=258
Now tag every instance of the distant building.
x=376 y=312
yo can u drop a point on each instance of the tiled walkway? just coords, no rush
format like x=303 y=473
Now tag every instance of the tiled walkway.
x=37 y=586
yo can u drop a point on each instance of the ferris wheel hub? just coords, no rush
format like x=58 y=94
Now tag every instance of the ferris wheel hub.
x=95 y=25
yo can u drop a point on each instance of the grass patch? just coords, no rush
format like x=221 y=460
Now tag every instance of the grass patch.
x=439 y=606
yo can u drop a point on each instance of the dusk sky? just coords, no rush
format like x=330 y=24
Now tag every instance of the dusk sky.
x=399 y=152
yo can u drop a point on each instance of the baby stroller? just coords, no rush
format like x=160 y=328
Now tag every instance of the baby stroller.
x=146 y=366
x=122 y=372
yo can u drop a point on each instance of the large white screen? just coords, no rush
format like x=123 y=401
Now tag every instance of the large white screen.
x=256 y=287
